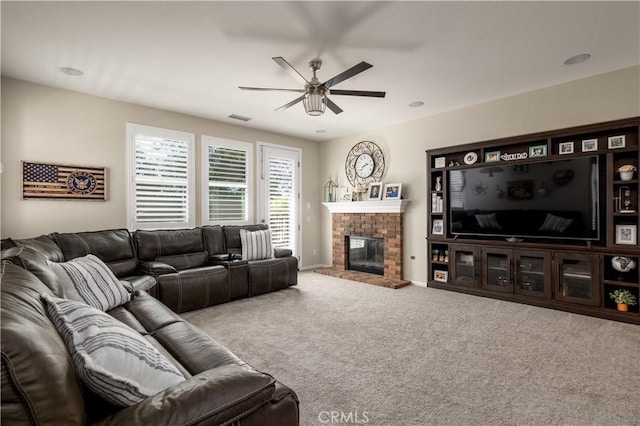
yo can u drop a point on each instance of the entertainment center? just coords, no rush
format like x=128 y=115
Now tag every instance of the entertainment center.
x=544 y=219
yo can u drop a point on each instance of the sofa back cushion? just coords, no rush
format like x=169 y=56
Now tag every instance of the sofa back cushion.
x=39 y=383
x=35 y=256
x=180 y=248
x=113 y=246
x=214 y=239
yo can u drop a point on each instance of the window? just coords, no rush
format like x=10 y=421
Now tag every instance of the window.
x=160 y=178
x=226 y=170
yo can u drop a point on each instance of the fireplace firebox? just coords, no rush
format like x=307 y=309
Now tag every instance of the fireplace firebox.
x=365 y=254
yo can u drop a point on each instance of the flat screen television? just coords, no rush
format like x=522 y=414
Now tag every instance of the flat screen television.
x=556 y=199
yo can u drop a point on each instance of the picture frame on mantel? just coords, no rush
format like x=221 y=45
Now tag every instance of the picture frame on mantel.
x=392 y=191
x=375 y=191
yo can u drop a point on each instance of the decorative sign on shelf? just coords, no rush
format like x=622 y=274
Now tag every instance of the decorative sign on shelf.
x=42 y=181
x=516 y=156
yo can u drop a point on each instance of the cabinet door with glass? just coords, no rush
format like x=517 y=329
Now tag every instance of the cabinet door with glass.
x=496 y=270
x=577 y=278
x=532 y=275
x=464 y=264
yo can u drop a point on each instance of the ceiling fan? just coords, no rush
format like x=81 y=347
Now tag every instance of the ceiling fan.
x=315 y=94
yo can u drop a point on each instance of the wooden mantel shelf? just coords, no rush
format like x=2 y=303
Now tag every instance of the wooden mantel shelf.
x=376 y=206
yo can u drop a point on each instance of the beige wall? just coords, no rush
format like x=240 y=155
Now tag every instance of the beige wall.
x=606 y=97
x=40 y=123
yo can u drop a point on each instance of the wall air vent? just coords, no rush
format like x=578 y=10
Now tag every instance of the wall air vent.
x=239 y=117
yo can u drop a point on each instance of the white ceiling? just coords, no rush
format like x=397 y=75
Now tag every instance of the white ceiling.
x=190 y=57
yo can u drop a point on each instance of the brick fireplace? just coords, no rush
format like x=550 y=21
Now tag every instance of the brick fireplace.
x=374 y=219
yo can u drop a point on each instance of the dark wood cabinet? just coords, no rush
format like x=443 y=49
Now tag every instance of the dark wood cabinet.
x=576 y=278
x=562 y=273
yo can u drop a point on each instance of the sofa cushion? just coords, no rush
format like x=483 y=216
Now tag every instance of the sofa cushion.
x=112 y=359
x=170 y=242
x=88 y=280
x=112 y=246
x=185 y=261
x=214 y=239
x=39 y=383
x=256 y=245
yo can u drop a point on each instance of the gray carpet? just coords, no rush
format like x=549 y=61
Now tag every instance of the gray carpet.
x=419 y=356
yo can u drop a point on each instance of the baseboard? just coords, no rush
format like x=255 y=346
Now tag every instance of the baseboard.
x=419 y=283
x=311 y=267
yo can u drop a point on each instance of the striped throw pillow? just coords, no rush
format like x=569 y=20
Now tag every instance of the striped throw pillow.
x=256 y=245
x=111 y=359
x=555 y=223
x=89 y=280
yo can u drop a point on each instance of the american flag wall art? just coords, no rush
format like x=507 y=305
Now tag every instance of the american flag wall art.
x=45 y=181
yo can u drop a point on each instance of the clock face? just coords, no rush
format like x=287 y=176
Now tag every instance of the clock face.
x=364 y=165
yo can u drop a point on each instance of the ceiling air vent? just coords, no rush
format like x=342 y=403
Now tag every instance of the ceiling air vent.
x=239 y=117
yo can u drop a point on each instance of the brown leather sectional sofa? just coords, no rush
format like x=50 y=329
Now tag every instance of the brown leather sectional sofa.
x=39 y=383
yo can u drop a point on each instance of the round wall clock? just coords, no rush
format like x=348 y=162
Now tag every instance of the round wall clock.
x=364 y=163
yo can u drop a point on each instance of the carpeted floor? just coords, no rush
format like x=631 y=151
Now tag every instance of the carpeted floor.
x=419 y=356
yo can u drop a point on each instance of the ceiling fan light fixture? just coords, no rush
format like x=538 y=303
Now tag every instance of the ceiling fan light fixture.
x=315 y=101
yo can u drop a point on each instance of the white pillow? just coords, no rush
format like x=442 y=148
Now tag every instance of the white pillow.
x=256 y=245
x=555 y=223
x=488 y=221
x=89 y=280
x=112 y=359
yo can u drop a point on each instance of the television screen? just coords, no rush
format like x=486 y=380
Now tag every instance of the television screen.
x=551 y=199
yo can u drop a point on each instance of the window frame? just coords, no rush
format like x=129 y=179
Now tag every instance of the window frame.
x=133 y=130
x=207 y=141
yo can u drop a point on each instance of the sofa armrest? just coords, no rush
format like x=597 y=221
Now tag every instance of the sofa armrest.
x=218 y=396
x=222 y=257
x=280 y=252
x=156 y=268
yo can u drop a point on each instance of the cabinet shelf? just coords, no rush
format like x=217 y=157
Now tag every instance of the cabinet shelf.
x=625 y=182
x=621 y=283
x=437 y=262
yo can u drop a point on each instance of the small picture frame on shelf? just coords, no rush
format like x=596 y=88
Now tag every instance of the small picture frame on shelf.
x=565 y=148
x=589 y=145
x=392 y=191
x=627 y=234
x=375 y=191
x=538 y=151
x=439 y=162
x=614 y=142
x=438 y=227
x=492 y=157
x=341 y=191
x=347 y=196
x=440 y=275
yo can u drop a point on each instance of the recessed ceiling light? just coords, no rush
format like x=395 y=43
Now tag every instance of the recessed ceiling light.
x=71 y=71
x=416 y=104
x=577 y=59
x=321 y=131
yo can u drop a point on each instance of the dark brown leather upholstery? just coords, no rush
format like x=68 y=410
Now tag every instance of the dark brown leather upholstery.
x=262 y=276
x=40 y=385
x=179 y=261
x=113 y=246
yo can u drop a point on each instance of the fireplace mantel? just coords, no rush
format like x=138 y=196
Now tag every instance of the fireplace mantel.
x=376 y=206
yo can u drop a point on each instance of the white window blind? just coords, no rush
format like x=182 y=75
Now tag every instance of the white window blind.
x=282 y=203
x=161 y=164
x=226 y=169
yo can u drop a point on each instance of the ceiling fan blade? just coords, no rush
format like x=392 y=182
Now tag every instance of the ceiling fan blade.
x=332 y=106
x=290 y=69
x=270 y=89
x=292 y=103
x=354 y=70
x=358 y=93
